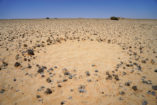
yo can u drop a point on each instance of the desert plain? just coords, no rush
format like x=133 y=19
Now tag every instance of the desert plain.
x=78 y=62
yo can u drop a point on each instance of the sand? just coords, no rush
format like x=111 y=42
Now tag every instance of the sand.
x=78 y=62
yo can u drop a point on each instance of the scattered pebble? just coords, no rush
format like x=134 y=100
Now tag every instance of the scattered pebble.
x=48 y=91
x=17 y=64
x=144 y=102
x=38 y=96
x=134 y=88
x=87 y=73
x=81 y=89
x=30 y=52
x=154 y=87
x=2 y=91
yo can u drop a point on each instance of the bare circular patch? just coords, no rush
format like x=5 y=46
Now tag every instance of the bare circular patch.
x=73 y=54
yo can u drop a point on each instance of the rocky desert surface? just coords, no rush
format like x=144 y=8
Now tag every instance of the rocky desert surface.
x=78 y=62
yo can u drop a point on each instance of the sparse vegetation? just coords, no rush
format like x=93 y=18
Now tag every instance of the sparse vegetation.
x=47 y=18
x=114 y=18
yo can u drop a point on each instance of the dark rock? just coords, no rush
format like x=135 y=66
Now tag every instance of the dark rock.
x=96 y=71
x=124 y=73
x=55 y=67
x=2 y=91
x=29 y=66
x=66 y=73
x=152 y=61
x=154 y=87
x=63 y=102
x=138 y=66
x=155 y=70
x=82 y=89
x=143 y=61
x=93 y=65
x=70 y=76
x=59 y=85
x=30 y=52
x=25 y=45
x=64 y=80
x=151 y=93
x=146 y=82
x=41 y=69
x=17 y=64
x=48 y=91
x=109 y=77
x=116 y=77
x=144 y=102
x=38 y=96
x=89 y=80
x=127 y=84
x=42 y=75
x=134 y=88
x=51 y=69
x=14 y=79
x=87 y=73
x=48 y=80
x=5 y=64
x=122 y=93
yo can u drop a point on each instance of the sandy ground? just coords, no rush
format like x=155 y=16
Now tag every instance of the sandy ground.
x=78 y=62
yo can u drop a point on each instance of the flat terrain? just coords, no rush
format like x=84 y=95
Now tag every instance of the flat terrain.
x=78 y=62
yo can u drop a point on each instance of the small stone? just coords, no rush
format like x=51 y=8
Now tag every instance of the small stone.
x=38 y=96
x=96 y=71
x=5 y=64
x=63 y=102
x=93 y=65
x=66 y=73
x=155 y=70
x=48 y=91
x=59 y=85
x=40 y=70
x=14 y=79
x=124 y=73
x=116 y=77
x=48 y=80
x=70 y=76
x=109 y=77
x=151 y=93
x=17 y=64
x=89 y=80
x=55 y=67
x=29 y=66
x=154 y=87
x=82 y=89
x=64 y=80
x=2 y=91
x=122 y=93
x=127 y=84
x=143 y=61
x=30 y=52
x=87 y=73
x=134 y=88
x=42 y=75
x=144 y=102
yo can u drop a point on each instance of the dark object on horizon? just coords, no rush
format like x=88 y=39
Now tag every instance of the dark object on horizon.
x=114 y=18
x=47 y=18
